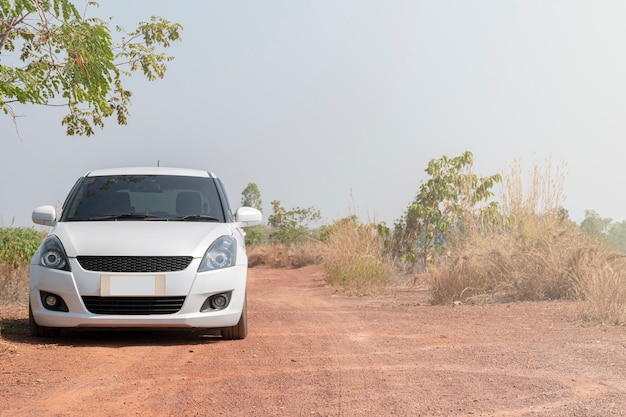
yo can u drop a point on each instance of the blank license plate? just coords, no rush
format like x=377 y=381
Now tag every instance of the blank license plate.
x=132 y=285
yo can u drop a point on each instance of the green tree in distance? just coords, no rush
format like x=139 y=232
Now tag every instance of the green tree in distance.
x=604 y=229
x=52 y=55
x=452 y=192
x=594 y=225
x=291 y=226
x=251 y=197
x=617 y=235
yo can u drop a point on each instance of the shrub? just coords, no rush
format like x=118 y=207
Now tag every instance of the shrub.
x=353 y=257
x=291 y=227
x=451 y=195
x=527 y=262
x=18 y=244
x=17 y=247
x=256 y=235
x=13 y=282
x=522 y=255
x=599 y=277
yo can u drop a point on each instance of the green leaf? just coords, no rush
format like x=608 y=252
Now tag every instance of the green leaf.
x=84 y=71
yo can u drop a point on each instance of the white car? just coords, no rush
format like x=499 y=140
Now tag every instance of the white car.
x=142 y=247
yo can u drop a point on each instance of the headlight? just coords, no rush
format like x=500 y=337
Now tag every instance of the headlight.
x=221 y=254
x=52 y=255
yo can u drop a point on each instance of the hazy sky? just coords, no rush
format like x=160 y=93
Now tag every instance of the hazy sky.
x=340 y=104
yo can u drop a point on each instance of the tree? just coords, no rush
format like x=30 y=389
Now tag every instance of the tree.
x=291 y=226
x=65 y=59
x=251 y=197
x=452 y=193
x=595 y=226
x=617 y=235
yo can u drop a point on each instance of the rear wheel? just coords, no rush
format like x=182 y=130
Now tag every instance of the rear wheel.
x=240 y=330
x=41 y=331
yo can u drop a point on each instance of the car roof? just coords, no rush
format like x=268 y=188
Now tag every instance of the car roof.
x=185 y=172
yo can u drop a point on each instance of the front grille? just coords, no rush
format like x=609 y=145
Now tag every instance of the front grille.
x=133 y=305
x=134 y=263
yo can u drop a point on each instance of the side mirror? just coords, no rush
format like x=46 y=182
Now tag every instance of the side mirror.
x=45 y=215
x=248 y=216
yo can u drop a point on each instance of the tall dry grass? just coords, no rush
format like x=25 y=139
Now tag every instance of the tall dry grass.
x=353 y=258
x=522 y=255
x=599 y=276
x=510 y=264
x=13 y=282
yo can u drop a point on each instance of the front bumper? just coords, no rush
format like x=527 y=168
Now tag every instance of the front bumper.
x=195 y=287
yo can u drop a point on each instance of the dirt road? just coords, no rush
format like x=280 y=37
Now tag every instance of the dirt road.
x=312 y=353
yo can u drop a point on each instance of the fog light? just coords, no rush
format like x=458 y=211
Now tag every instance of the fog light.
x=51 y=301
x=216 y=302
x=219 y=301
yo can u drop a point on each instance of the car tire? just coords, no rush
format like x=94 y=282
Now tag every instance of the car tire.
x=240 y=330
x=41 y=331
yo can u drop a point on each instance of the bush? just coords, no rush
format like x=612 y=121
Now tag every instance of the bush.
x=18 y=244
x=13 y=283
x=256 y=235
x=17 y=247
x=525 y=262
x=353 y=258
x=599 y=277
x=291 y=227
x=522 y=255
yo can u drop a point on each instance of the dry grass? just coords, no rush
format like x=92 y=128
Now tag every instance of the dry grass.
x=13 y=282
x=284 y=256
x=510 y=265
x=534 y=253
x=521 y=256
x=13 y=293
x=353 y=259
x=351 y=255
x=599 y=275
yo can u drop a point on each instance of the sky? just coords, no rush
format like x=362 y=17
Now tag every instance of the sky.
x=338 y=105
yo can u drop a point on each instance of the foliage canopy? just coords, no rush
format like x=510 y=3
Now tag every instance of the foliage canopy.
x=52 y=55
x=291 y=226
x=452 y=192
x=251 y=197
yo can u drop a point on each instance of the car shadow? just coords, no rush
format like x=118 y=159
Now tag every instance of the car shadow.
x=17 y=331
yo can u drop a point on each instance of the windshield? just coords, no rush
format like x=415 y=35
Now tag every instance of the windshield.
x=144 y=197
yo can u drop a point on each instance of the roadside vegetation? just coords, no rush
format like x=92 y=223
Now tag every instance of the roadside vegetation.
x=468 y=239
x=501 y=238
x=17 y=246
x=353 y=257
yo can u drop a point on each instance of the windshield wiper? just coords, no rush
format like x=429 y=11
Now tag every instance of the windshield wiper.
x=127 y=216
x=196 y=217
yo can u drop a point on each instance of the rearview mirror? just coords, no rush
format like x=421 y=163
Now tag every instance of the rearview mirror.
x=248 y=216
x=45 y=215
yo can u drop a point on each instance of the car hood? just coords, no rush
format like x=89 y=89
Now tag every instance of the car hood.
x=138 y=238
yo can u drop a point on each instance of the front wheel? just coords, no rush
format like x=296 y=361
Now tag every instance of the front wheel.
x=40 y=331
x=240 y=330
